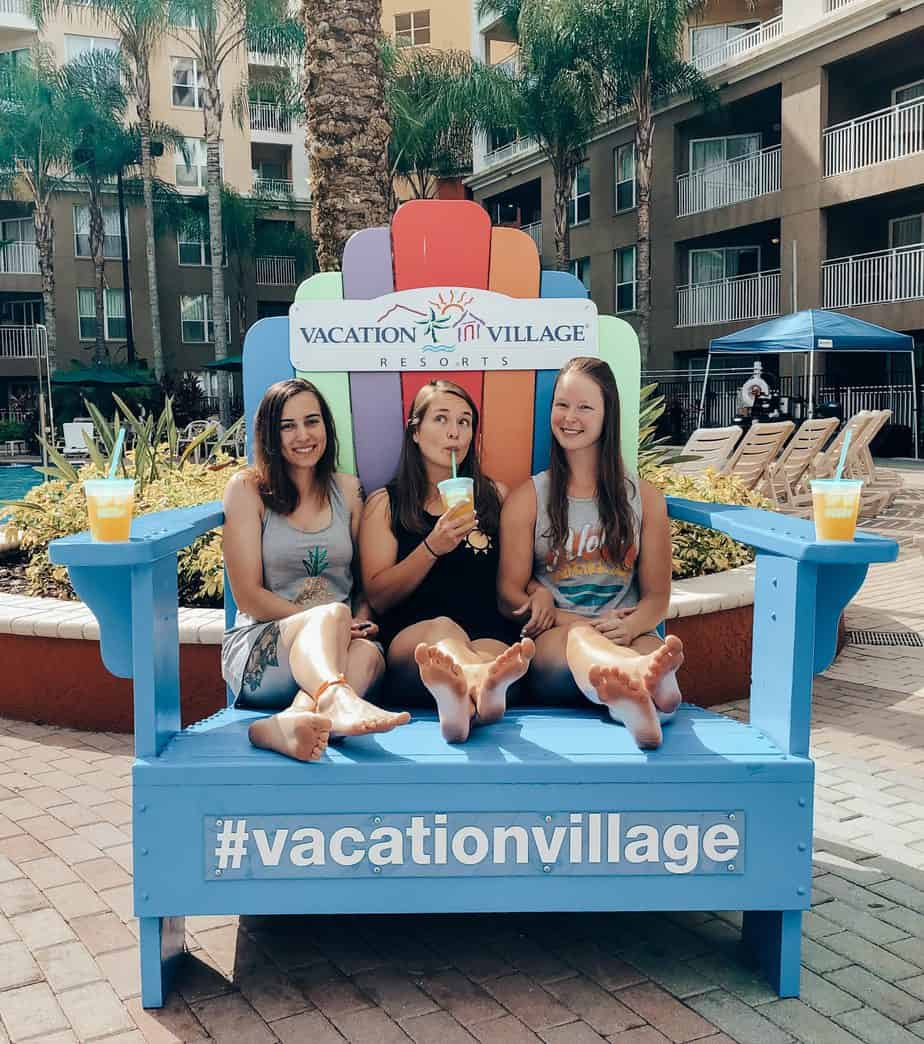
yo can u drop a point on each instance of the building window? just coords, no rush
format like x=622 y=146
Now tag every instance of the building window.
x=625 y=279
x=113 y=314
x=711 y=266
x=195 y=252
x=112 y=241
x=580 y=269
x=75 y=46
x=195 y=174
x=711 y=152
x=579 y=209
x=196 y=319
x=188 y=83
x=17 y=230
x=906 y=231
x=706 y=38
x=624 y=164
x=412 y=29
x=909 y=93
x=12 y=60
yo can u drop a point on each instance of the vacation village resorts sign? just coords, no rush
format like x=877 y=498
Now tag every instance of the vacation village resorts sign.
x=441 y=328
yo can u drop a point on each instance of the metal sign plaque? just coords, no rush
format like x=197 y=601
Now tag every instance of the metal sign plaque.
x=441 y=328
x=454 y=844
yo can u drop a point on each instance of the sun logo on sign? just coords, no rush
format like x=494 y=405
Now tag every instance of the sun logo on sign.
x=441 y=315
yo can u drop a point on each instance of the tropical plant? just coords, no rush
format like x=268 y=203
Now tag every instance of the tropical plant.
x=428 y=140
x=36 y=150
x=346 y=122
x=638 y=47
x=555 y=96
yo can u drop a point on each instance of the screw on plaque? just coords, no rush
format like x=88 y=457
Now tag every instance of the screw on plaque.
x=219 y=822
x=731 y=867
x=731 y=816
x=377 y=870
x=546 y=869
x=218 y=873
x=548 y=819
x=376 y=820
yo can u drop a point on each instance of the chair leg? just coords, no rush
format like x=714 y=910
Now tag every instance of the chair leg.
x=775 y=938
x=161 y=942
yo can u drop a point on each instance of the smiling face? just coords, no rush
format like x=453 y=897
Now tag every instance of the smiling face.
x=302 y=434
x=445 y=426
x=578 y=411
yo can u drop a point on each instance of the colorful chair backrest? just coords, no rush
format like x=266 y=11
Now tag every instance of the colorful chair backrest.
x=441 y=244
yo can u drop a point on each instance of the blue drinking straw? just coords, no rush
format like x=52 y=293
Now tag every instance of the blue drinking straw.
x=116 y=453
x=843 y=457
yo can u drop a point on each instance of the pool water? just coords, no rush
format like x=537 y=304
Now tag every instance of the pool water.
x=15 y=481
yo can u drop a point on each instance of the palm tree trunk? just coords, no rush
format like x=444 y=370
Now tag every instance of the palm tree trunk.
x=97 y=252
x=564 y=186
x=212 y=113
x=643 y=154
x=143 y=95
x=44 y=241
x=346 y=122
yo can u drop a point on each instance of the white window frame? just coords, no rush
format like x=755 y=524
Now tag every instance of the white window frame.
x=107 y=336
x=617 y=182
x=209 y=323
x=202 y=168
x=204 y=246
x=197 y=86
x=22 y=223
x=725 y=251
x=412 y=31
x=904 y=87
x=113 y=213
x=576 y=197
x=747 y=27
x=579 y=268
x=726 y=138
x=905 y=217
x=95 y=43
x=633 y=283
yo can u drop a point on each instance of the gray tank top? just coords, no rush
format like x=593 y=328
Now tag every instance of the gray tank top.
x=305 y=568
x=579 y=576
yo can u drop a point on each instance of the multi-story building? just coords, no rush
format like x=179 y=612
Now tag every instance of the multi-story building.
x=804 y=187
x=266 y=155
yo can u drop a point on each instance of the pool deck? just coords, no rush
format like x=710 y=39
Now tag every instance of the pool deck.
x=68 y=960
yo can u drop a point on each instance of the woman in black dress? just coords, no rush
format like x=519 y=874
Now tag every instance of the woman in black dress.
x=431 y=574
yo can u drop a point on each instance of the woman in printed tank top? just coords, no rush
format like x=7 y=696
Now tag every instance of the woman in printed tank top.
x=431 y=574
x=302 y=642
x=586 y=550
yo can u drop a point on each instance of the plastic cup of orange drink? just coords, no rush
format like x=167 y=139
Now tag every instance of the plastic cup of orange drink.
x=835 y=505
x=109 y=504
x=457 y=494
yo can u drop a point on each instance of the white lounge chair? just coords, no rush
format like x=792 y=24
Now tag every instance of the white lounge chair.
x=74 y=444
x=711 y=446
x=786 y=473
x=751 y=460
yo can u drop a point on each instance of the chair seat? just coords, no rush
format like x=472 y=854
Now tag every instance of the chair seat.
x=530 y=745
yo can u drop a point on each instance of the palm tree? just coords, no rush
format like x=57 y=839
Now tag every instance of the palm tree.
x=36 y=148
x=141 y=25
x=213 y=31
x=346 y=121
x=427 y=142
x=554 y=96
x=638 y=46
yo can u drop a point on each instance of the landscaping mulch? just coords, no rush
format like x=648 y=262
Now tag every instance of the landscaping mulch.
x=13 y=574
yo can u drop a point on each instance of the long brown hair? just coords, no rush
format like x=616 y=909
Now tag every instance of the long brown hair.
x=407 y=491
x=277 y=490
x=616 y=517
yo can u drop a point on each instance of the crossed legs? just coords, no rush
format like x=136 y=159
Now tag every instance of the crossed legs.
x=468 y=679
x=333 y=673
x=637 y=683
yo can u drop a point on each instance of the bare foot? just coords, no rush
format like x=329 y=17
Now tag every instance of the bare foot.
x=299 y=734
x=627 y=700
x=350 y=715
x=446 y=683
x=510 y=666
x=660 y=676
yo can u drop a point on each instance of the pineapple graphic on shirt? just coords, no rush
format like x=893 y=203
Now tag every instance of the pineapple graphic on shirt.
x=314 y=588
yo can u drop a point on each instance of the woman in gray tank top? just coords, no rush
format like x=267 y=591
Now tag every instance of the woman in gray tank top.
x=301 y=644
x=586 y=550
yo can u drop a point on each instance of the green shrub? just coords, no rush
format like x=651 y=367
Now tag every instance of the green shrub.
x=10 y=430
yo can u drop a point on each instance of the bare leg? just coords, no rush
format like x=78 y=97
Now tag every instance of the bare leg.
x=318 y=642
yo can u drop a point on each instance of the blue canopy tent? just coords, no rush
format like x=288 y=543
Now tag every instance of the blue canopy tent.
x=811 y=331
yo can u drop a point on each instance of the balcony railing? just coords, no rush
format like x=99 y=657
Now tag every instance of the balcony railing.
x=836 y=5
x=265 y=58
x=15 y=7
x=877 y=278
x=275 y=271
x=265 y=116
x=728 y=300
x=273 y=186
x=876 y=137
x=19 y=342
x=506 y=152
x=739 y=46
x=534 y=231
x=728 y=183
x=19 y=258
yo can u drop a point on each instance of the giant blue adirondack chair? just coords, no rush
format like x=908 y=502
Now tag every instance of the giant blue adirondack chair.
x=575 y=816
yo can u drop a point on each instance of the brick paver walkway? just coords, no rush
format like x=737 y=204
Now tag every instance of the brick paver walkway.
x=68 y=965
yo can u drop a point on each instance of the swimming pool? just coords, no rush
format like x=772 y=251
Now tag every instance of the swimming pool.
x=15 y=481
